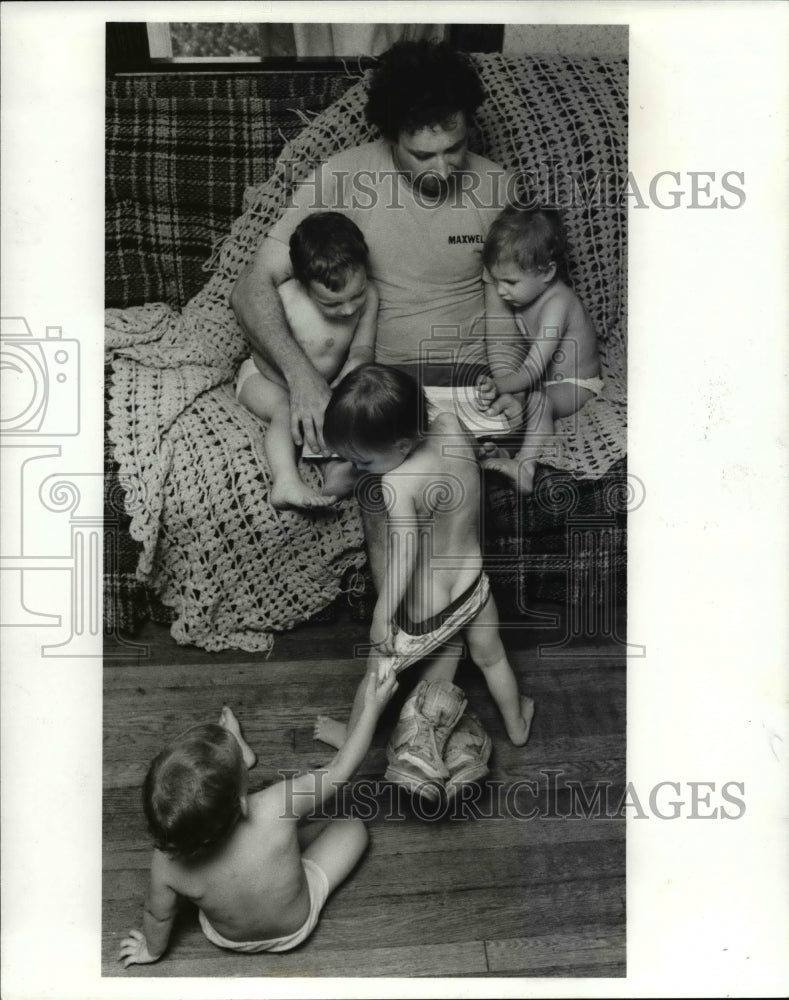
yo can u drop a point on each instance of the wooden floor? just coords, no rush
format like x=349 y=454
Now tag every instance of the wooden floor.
x=484 y=892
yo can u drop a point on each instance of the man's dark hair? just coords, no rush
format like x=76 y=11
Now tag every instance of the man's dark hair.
x=327 y=247
x=374 y=407
x=417 y=84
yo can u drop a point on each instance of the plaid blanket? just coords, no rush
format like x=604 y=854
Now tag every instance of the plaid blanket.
x=180 y=151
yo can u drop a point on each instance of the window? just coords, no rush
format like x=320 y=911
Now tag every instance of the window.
x=221 y=46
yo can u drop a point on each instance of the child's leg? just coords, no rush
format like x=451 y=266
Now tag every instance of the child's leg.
x=230 y=722
x=443 y=664
x=271 y=402
x=538 y=420
x=543 y=407
x=487 y=651
x=338 y=848
x=339 y=479
x=333 y=732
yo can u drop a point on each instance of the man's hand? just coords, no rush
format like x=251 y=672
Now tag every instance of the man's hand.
x=134 y=950
x=309 y=397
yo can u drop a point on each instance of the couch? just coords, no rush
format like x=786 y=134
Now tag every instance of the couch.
x=194 y=177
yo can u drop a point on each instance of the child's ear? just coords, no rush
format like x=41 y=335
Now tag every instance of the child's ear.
x=549 y=273
x=405 y=446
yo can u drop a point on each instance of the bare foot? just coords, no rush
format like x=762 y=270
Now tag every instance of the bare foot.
x=294 y=493
x=339 y=479
x=230 y=722
x=330 y=731
x=519 y=733
x=519 y=470
x=488 y=450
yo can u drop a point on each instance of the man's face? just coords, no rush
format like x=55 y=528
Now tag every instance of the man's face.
x=431 y=155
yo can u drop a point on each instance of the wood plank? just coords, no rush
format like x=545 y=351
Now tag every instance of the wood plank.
x=428 y=896
x=605 y=946
x=429 y=919
x=459 y=958
x=614 y=970
x=454 y=869
x=127 y=845
x=241 y=670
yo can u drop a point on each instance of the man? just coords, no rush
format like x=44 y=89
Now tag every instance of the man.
x=424 y=204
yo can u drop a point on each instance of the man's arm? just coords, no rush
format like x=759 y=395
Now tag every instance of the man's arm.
x=161 y=902
x=362 y=349
x=258 y=308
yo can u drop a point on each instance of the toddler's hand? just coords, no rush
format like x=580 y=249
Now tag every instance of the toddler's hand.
x=134 y=950
x=380 y=689
x=509 y=406
x=486 y=392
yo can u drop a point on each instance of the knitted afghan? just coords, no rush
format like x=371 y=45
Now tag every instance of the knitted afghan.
x=233 y=568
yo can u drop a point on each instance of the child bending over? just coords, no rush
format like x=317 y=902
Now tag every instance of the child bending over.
x=434 y=583
x=525 y=254
x=331 y=307
x=259 y=879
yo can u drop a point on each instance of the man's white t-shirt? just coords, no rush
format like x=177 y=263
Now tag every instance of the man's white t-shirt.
x=425 y=257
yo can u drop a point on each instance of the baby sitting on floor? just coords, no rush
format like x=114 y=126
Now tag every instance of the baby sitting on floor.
x=525 y=254
x=259 y=878
x=331 y=307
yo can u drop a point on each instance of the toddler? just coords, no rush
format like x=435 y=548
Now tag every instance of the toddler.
x=434 y=583
x=557 y=363
x=331 y=307
x=259 y=879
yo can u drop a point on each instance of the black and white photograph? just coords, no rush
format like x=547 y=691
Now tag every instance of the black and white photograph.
x=388 y=571
x=430 y=610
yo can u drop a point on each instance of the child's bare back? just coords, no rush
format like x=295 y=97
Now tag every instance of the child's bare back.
x=253 y=887
x=438 y=484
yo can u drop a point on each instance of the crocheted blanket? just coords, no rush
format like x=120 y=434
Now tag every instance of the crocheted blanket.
x=191 y=460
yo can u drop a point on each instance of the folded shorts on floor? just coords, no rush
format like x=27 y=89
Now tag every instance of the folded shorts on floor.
x=413 y=641
x=593 y=384
x=318 y=885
